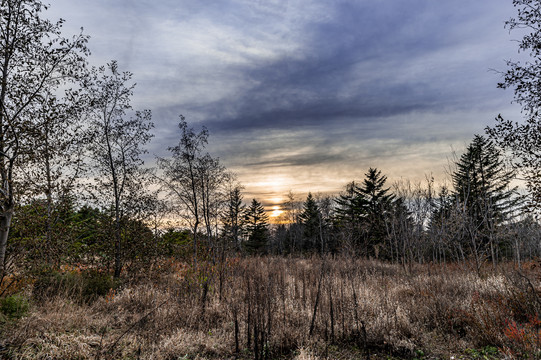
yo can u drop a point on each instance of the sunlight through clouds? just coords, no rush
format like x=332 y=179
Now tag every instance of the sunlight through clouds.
x=303 y=95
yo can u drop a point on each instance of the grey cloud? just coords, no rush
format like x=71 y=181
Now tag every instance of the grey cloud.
x=283 y=84
x=303 y=92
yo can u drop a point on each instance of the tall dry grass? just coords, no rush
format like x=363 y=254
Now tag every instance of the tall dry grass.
x=270 y=307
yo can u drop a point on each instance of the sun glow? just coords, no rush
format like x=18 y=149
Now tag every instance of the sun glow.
x=275 y=211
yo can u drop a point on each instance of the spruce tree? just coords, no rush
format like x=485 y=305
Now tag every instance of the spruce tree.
x=311 y=221
x=257 y=223
x=350 y=206
x=233 y=219
x=361 y=212
x=378 y=203
x=482 y=184
x=483 y=198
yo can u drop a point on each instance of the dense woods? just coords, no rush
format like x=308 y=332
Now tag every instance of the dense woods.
x=88 y=228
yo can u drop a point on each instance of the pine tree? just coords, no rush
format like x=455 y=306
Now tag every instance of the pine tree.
x=443 y=207
x=311 y=221
x=257 y=223
x=362 y=211
x=378 y=203
x=350 y=205
x=233 y=219
x=483 y=198
x=481 y=183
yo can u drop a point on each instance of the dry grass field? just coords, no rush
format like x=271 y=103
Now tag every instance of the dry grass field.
x=281 y=308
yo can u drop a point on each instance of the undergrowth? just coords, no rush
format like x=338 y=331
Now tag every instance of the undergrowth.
x=276 y=308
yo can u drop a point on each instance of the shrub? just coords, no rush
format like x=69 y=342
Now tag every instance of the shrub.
x=51 y=284
x=96 y=284
x=14 y=306
x=54 y=283
x=85 y=286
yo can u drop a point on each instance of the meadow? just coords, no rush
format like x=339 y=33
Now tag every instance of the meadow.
x=277 y=308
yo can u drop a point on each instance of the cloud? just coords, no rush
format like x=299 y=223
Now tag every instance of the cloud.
x=356 y=70
x=310 y=90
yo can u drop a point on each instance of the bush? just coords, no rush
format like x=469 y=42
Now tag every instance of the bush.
x=84 y=286
x=96 y=284
x=51 y=284
x=14 y=306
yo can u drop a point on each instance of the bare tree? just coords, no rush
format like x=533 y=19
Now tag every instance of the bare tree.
x=523 y=140
x=292 y=208
x=181 y=176
x=115 y=144
x=34 y=58
x=53 y=160
x=326 y=210
x=407 y=222
x=212 y=177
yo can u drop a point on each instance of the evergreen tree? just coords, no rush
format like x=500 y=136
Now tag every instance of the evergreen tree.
x=311 y=221
x=378 y=202
x=361 y=212
x=257 y=223
x=349 y=213
x=483 y=196
x=233 y=220
x=350 y=205
x=442 y=214
x=481 y=184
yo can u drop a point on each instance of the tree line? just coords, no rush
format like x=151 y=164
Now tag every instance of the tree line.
x=482 y=216
x=74 y=186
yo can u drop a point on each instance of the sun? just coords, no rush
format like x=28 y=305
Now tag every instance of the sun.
x=275 y=211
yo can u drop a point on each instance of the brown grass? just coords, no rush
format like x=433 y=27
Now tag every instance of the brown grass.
x=290 y=308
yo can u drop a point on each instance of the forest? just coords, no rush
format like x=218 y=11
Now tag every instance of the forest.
x=104 y=256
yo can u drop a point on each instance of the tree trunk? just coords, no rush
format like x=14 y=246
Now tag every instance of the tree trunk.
x=194 y=237
x=48 y=193
x=118 y=247
x=5 y=224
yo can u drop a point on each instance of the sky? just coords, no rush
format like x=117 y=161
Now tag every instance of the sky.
x=306 y=95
